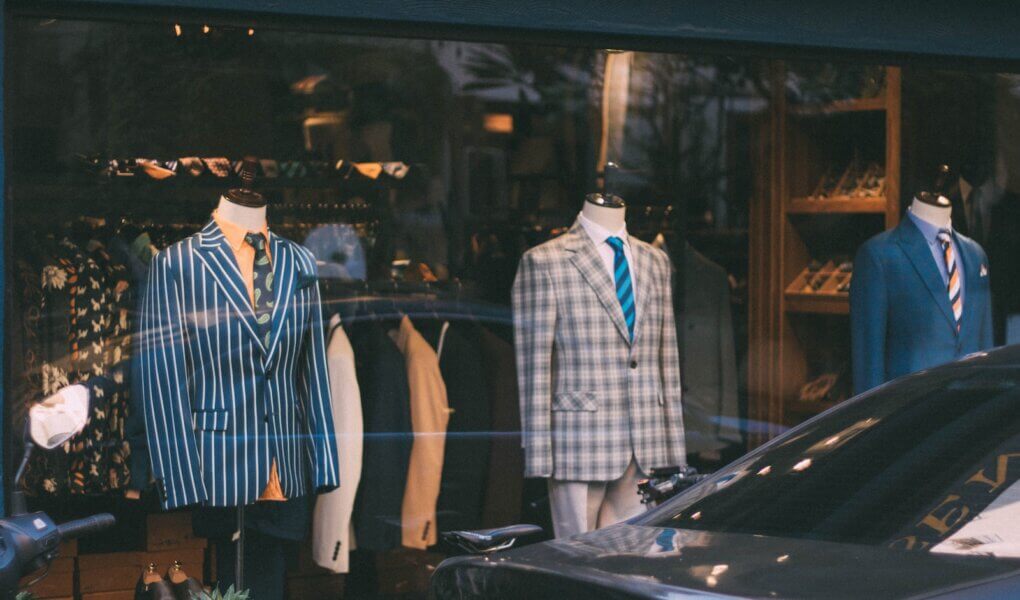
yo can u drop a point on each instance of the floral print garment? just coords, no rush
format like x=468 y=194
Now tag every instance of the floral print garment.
x=82 y=332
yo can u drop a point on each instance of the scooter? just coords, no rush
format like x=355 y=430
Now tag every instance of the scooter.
x=30 y=541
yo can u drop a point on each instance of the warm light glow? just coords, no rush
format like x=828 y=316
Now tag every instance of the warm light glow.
x=833 y=440
x=802 y=465
x=251 y=31
x=205 y=29
x=765 y=470
x=720 y=569
x=696 y=516
x=711 y=581
x=499 y=123
x=177 y=30
x=783 y=558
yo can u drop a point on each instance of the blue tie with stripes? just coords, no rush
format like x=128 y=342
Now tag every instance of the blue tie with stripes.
x=624 y=287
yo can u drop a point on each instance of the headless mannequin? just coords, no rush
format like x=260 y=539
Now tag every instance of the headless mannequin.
x=247 y=217
x=609 y=212
x=936 y=210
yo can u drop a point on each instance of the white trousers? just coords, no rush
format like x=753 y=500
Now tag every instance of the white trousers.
x=583 y=506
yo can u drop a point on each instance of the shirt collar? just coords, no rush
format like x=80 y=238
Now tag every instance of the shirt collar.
x=600 y=234
x=234 y=233
x=928 y=230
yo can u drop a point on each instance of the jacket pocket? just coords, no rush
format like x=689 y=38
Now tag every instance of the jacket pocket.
x=575 y=401
x=212 y=420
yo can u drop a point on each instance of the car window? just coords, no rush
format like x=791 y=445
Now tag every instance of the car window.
x=927 y=464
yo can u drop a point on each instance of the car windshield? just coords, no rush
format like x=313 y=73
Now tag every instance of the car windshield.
x=927 y=464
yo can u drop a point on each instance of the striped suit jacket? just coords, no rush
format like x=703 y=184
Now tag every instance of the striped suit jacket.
x=219 y=405
x=590 y=397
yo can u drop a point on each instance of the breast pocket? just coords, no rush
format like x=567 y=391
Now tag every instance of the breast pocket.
x=212 y=420
x=575 y=401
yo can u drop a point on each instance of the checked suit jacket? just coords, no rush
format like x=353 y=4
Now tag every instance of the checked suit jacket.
x=590 y=397
x=220 y=406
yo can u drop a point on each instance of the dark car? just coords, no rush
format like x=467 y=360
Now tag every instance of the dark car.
x=911 y=490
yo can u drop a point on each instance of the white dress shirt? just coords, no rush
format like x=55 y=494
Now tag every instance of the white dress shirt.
x=599 y=235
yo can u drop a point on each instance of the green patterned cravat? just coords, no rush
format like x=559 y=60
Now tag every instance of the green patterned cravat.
x=263 y=279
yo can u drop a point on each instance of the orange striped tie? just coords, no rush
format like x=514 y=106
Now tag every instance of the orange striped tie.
x=954 y=287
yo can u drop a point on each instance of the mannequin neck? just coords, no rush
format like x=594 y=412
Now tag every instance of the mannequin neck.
x=939 y=216
x=611 y=219
x=250 y=219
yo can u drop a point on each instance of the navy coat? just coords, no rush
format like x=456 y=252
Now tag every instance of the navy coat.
x=900 y=317
x=220 y=406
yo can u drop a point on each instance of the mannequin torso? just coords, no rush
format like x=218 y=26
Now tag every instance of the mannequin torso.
x=248 y=218
x=939 y=214
x=612 y=219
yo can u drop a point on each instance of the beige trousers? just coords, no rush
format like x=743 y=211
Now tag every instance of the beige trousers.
x=583 y=506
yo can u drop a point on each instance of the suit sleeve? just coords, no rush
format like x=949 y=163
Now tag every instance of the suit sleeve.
x=869 y=305
x=669 y=362
x=314 y=383
x=165 y=399
x=534 y=315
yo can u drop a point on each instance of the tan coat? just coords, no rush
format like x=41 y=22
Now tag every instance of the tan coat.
x=430 y=415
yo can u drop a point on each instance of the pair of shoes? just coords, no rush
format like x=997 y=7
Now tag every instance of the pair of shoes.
x=176 y=586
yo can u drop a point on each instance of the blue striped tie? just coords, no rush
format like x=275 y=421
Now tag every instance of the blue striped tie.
x=624 y=288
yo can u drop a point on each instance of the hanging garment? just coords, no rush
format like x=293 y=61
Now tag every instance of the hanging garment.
x=331 y=524
x=386 y=406
x=430 y=414
x=505 y=482
x=221 y=405
x=74 y=341
x=466 y=457
x=901 y=319
x=709 y=359
x=592 y=395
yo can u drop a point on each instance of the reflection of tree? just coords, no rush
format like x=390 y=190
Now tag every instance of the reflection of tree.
x=677 y=122
x=537 y=75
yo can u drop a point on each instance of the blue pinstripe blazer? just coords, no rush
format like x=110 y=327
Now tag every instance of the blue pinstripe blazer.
x=220 y=407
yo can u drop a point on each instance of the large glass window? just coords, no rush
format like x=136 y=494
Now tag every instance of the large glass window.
x=405 y=179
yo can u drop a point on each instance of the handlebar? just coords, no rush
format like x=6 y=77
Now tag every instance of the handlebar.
x=86 y=526
x=30 y=542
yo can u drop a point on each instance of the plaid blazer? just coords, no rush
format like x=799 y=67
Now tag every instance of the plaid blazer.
x=590 y=397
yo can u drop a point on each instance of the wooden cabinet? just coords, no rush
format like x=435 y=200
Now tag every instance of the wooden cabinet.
x=832 y=182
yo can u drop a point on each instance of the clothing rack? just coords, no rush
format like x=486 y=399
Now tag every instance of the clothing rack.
x=225 y=170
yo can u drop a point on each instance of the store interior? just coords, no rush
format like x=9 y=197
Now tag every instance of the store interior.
x=418 y=172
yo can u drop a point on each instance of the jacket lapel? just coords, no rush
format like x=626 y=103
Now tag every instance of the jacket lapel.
x=218 y=259
x=641 y=273
x=284 y=280
x=913 y=244
x=587 y=260
x=971 y=274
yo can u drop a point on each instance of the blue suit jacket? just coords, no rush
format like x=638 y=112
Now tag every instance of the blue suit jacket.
x=219 y=406
x=900 y=317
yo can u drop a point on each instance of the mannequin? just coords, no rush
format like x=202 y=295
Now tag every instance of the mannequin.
x=937 y=210
x=609 y=211
x=595 y=333
x=246 y=217
x=257 y=298
x=917 y=298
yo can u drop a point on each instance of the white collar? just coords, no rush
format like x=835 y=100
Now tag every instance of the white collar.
x=600 y=234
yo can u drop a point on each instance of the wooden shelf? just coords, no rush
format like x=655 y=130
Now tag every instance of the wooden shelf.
x=843 y=106
x=818 y=303
x=838 y=204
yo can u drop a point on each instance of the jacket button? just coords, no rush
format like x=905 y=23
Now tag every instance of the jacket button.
x=633 y=364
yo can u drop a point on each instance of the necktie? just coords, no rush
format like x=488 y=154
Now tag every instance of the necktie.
x=263 y=280
x=954 y=287
x=624 y=287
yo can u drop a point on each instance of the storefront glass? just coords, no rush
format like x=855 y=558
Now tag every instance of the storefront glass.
x=413 y=175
